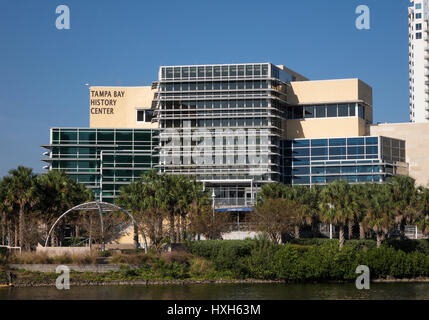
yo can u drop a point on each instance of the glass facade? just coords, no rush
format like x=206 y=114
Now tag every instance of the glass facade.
x=355 y=159
x=103 y=159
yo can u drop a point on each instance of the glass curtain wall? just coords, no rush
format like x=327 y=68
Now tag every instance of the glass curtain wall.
x=357 y=160
x=103 y=159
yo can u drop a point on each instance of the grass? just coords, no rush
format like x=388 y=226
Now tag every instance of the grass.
x=43 y=258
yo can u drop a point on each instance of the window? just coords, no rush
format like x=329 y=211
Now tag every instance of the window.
x=418 y=15
x=361 y=111
x=343 y=110
x=418 y=35
x=418 y=26
x=332 y=111
x=144 y=115
x=320 y=111
x=418 y=6
x=309 y=112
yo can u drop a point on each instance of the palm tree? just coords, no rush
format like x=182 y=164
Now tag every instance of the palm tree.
x=380 y=218
x=56 y=193
x=3 y=208
x=422 y=217
x=21 y=191
x=272 y=191
x=359 y=193
x=337 y=206
x=404 y=199
x=303 y=214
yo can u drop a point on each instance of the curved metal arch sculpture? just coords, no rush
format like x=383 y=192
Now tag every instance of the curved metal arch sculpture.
x=101 y=207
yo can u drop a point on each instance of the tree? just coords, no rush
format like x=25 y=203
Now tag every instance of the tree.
x=275 y=216
x=158 y=197
x=405 y=201
x=361 y=194
x=202 y=220
x=422 y=216
x=337 y=206
x=21 y=191
x=56 y=193
x=3 y=209
x=304 y=210
x=379 y=217
x=271 y=191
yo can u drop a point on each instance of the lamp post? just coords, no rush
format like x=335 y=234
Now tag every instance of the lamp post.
x=213 y=211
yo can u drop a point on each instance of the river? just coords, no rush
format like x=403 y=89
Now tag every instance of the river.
x=378 y=291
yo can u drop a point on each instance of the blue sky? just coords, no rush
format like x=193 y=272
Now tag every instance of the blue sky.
x=43 y=70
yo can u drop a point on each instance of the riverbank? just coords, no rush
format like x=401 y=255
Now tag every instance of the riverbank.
x=22 y=278
x=250 y=261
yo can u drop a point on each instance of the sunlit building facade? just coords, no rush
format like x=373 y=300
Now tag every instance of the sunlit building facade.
x=234 y=127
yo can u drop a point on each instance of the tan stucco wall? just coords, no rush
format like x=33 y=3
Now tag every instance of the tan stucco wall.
x=325 y=127
x=416 y=136
x=331 y=91
x=117 y=106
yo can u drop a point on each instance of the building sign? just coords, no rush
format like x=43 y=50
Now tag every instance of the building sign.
x=105 y=101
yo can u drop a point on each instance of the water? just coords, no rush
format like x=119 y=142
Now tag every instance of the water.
x=378 y=291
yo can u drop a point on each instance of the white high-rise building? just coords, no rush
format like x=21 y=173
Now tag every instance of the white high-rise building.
x=418 y=43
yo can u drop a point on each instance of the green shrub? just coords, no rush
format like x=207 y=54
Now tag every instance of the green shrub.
x=171 y=270
x=105 y=253
x=313 y=241
x=316 y=259
x=410 y=245
x=211 y=248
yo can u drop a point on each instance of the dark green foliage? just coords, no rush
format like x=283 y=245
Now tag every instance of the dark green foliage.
x=260 y=259
x=410 y=245
x=106 y=253
x=313 y=241
x=3 y=251
x=3 y=277
x=212 y=248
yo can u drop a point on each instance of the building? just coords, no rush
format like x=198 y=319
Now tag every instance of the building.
x=416 y=136
x=418 y=15
x=235 y=127
x=103 y=159
x=119 y=146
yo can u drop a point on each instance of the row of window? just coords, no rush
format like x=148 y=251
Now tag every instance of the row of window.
x=169 y=73
x=329 y=179
x=330 y=142
x=215 y=104
x=217 y=85
x=325 y=111
x=224 y=123
x=333 y=170
x=94 y=136
x=333 y=151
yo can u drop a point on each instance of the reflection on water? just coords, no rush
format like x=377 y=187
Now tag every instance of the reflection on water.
x=224 y=292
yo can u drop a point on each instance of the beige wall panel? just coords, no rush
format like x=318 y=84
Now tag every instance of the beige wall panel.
x=329 y=91
x=416 y=136
x=325 y=128
x=116 y=107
